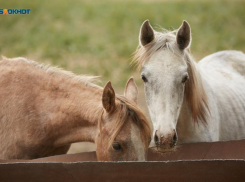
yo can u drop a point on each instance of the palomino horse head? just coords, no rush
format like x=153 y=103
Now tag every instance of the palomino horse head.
x=169 y=78
x=124 y=131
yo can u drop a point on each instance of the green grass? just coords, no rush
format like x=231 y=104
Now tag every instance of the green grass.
x=98 y=38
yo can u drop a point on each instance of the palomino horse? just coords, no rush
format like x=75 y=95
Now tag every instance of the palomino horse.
x=45 y=109
x=201 y=102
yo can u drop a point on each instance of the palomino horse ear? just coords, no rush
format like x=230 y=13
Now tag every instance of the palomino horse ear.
x=146 y=33
x=183 y=37
x=131 y=90
x=108 y=98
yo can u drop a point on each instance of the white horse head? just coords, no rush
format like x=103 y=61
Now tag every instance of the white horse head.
x=169 y=77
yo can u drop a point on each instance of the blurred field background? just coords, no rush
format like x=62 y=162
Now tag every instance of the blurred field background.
x=99 y=37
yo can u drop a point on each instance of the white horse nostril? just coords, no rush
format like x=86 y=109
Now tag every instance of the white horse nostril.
x=156 y=139
x=175 y=137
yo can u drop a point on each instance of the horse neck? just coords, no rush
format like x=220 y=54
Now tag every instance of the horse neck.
x=186 y=127
x=185 y=124
x=73 y=113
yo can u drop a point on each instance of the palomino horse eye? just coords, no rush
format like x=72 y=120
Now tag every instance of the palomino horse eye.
x=116 y=146
x=185 y=79
x=144 y=78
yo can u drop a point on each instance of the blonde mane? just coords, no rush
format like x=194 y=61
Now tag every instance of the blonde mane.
x=195 y=94
x=84 y=79
x=128 y=110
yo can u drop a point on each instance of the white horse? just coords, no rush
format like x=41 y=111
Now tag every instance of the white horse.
x=190 y=102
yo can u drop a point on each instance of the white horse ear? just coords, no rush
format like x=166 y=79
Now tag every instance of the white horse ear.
x=183 y=37
x=146 y=33
x=108 y=98
x=131 y=90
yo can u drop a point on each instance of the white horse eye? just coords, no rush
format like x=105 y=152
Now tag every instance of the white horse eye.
x=144 y=78
x=116 y=146
x=185 y=79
